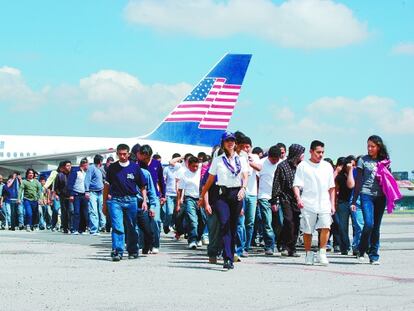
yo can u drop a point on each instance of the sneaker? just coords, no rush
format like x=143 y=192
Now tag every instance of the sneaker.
x=309 y=258
x=155 y=250
x=95 y=233
x=323 y=260
x=374 y=262
x=269 y=252
x=75 y=233
x=192 y=245
x=284 y=253
x=199 y=244
x=244 y=254
x=116 y=257
x=212 y=260
x=344 y=253
x=360 y=258
x=236 y=258
x=133 y=256
x=294 y=254
x=28 y=229
x=337 y=249
x=205 y=241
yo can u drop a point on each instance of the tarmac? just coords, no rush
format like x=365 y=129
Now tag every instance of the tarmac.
x=52 y=271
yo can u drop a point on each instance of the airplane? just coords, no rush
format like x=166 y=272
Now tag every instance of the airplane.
x=195 y=124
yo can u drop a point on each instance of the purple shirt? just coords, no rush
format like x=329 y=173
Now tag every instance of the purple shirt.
x=156 y=171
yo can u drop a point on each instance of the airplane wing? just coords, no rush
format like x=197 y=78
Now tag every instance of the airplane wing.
x=21 y=164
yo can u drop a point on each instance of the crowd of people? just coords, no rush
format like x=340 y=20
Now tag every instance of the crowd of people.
x=238 y=198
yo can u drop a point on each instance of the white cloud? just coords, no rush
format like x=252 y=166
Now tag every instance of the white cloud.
x=15 y=93
x=404 y=48
x=380 y=113
x=109 y=95
x=294 y=23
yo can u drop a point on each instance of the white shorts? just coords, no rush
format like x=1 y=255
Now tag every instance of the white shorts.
x=310 y=221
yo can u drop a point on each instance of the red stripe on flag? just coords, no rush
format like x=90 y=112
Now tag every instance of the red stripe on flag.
x=222 y=106
x=220 y=80
x=225 y=100
x=231 y=86
x=212 y=127
x=229 y=93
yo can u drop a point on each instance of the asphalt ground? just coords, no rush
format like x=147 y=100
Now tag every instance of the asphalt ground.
x=52 y=271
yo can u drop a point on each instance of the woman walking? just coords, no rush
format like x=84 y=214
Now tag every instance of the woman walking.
x=231 y=172
x=372 y=197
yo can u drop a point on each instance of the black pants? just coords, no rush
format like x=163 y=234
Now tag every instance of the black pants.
x=291 y=225
x=145 y=232
x=65 y=214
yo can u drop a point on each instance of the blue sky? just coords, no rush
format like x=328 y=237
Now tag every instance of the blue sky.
x=337 y=71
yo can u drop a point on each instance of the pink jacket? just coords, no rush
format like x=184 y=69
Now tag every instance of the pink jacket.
x=388 y=184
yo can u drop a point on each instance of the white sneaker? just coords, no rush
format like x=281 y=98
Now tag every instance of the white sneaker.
x=361 y=259
x=205 y=241
x=374 y=262
x=309 y=258
x=199 y=244
x=269 y=252
x=155 y=250
x=192 y=245
x=323 y=260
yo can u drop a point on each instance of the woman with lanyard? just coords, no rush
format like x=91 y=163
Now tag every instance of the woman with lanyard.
x=231 y=172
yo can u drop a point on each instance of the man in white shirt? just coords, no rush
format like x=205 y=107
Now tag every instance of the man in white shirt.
x=189 y=186
x=317 y=201
x=266 y=175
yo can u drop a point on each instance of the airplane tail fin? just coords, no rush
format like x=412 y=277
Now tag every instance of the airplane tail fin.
x=204 y=114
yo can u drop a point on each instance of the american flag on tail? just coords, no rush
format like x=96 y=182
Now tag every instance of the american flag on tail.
x=211 y=104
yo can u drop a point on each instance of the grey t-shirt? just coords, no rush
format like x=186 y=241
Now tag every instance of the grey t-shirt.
x=370 y=183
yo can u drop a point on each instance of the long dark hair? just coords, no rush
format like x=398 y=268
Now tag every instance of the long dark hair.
x=383 y=152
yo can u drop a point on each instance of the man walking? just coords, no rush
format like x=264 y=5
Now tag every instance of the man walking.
x=283 y=196
x=317 y=201
x=123 y=177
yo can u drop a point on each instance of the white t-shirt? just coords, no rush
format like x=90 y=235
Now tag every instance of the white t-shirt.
x=170 y=173
x=224 y=176
x=190 y=183
x=266 y=179
x=253 y=174
x=315 y=179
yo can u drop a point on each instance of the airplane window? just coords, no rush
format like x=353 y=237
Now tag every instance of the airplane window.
x=28 y=154
x=34 y=153
x=15 y=154
x=1 y=154
x=21 y=154
x=8 y=154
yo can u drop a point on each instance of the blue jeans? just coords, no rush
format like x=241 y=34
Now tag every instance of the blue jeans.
x=6 y=212
x=372 y=209
x=342 y=216
x=190 y=207
x=168 y=208
x=156 y=223
x=55 y=213
x=80 y=207
x=121 y=208
x=45 y=217
x=16 y=214
x=241 y=235
x=96 y=220
x=250 y=206
x=31 y=209
x=357 y=226
x=268 y=233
